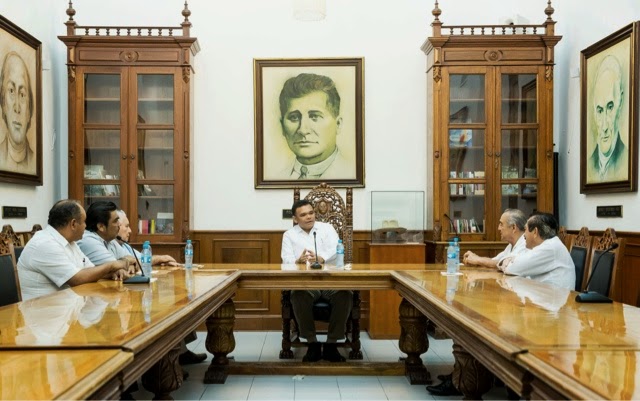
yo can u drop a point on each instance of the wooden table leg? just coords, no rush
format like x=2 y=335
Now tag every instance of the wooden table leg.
x=414 y=342
x=470 y=377
x=220 y=342
x=164 y=376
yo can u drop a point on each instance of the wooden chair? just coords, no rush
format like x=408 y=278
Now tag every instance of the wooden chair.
x=565 y=237
x=19 y=239
x=330 y=208
x=604 y=282
x=580 y=250
x=9 y=281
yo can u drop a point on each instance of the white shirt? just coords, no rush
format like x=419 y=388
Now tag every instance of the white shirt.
x=518 y=248
x=295 y=240
x=48 y=262
x=548 y=262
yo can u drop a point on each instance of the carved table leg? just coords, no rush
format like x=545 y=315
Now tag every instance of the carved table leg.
x=164 y=376
x=470 y=377
x=287 y=314
x=414 y=342
x=220 y=342
x=356 y=346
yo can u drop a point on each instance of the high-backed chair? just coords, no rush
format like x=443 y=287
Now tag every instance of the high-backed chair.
x=330 y=208
x=565 y=237
x=580 y=250
x=9 y=281
x=19 y=239
x=606 y=273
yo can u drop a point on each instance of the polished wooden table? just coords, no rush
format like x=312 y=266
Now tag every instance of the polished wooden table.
x=147 y=320
x=61 y=374
x=525 y=332
x=521 y=330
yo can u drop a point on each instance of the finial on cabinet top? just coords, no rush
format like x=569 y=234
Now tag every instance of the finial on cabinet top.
x=436 y=12
x=549 y=10
x=70 y=11
x=186 y=12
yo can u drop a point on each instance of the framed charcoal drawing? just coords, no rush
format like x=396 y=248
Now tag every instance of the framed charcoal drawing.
x=309 y=122
x=609 y=114
x=21 y=105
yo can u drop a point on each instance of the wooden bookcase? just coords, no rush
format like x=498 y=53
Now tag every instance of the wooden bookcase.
x=490 y=124
x=129 y=123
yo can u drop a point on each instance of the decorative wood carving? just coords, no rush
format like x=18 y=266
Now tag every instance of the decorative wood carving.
x=470 y=377
x=583 y=239
x=165 y=376
x=71 y=73
x=220 y=342
x=414 y=342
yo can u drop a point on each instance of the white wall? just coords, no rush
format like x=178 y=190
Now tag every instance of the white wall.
x=388 y=34
x=39 y=23
x=582 y=27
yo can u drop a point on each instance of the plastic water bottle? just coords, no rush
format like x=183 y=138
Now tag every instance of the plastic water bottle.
x=456 y=243
x=452 y=259
x=188 y=255
x=340 y=254
x=146 y=259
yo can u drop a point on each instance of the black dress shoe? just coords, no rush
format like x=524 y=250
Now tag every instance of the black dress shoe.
x=446 y=388
x=191 y=358
x=445 y=377
x=330 y=353
x=314 y=353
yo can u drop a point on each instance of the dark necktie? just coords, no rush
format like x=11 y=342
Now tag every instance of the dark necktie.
x=303 y=172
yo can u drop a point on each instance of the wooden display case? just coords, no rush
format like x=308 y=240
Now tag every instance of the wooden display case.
x=129 y=122
x=490 y=123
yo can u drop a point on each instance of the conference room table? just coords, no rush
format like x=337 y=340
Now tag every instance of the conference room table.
x=141 y=325
x=532 y=336
x=535 y=337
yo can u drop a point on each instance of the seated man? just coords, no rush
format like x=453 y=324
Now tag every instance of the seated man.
x=511 y=228
x=298 y=247
x=548 y=260
x=186 y=357
x=52 y=260
x=123 y=239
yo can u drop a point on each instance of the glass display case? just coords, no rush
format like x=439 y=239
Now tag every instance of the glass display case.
x=397 y=217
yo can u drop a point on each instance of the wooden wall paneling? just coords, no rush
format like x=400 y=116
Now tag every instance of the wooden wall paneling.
x=384 y=321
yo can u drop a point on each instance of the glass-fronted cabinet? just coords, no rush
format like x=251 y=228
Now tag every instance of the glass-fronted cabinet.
x=129 y=108
x=490 y=124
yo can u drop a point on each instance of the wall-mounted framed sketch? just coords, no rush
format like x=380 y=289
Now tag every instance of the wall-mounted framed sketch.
x=609 y=113
x=21 y=105
x=309 y=122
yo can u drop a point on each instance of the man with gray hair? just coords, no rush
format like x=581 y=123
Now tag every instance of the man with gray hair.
x=511 y=229
x=548 y=260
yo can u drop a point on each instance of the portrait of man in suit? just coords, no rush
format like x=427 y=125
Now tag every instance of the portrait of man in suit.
x=609 y=161
x=17 y=105
x=309 y=121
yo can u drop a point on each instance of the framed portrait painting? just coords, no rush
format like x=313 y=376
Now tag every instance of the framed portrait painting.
x=21 y=105
x=609 y=113
x=309 y=122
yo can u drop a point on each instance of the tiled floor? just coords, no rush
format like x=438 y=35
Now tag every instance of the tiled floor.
x=249 y=345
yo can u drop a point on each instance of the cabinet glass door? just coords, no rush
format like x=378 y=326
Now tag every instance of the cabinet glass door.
x=466 y=149
x=519 y=139
x=102 y=133
x=155 y=137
